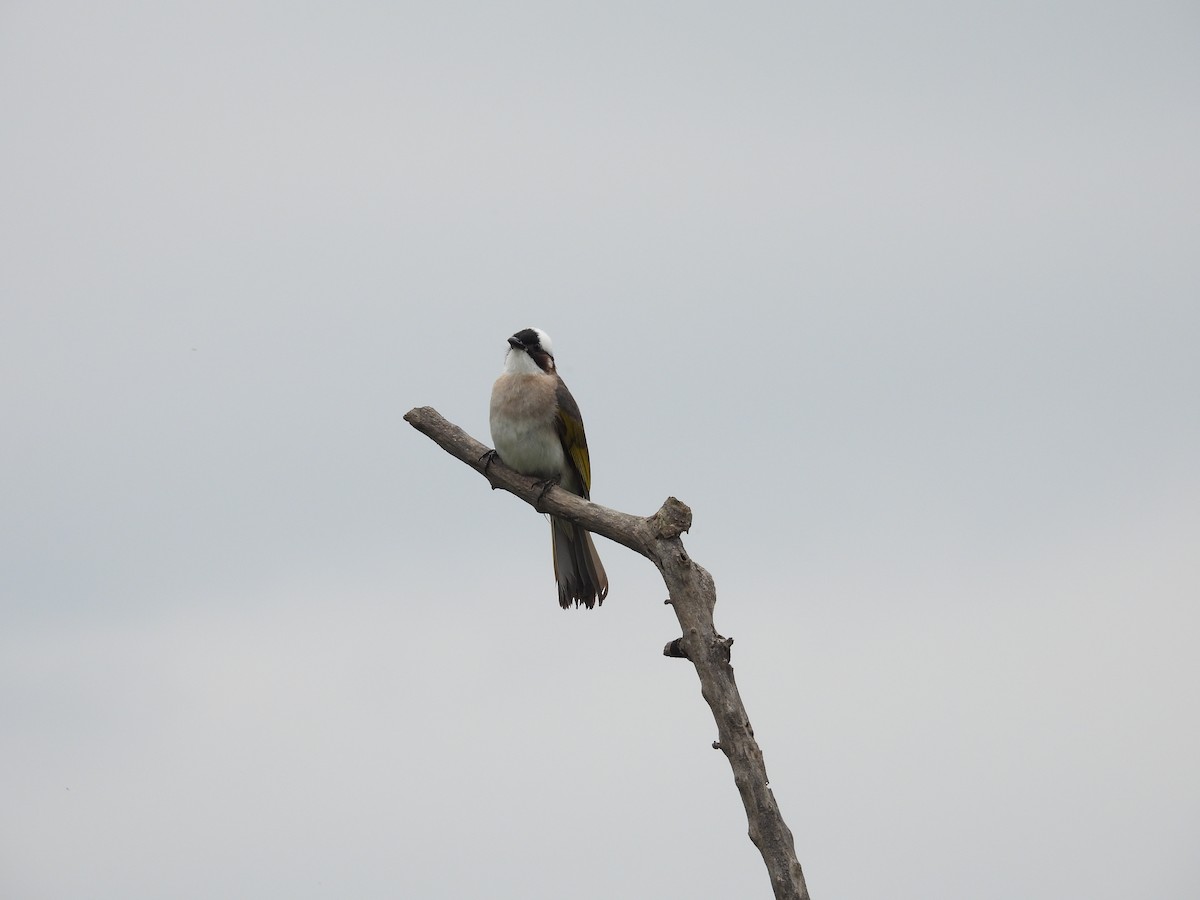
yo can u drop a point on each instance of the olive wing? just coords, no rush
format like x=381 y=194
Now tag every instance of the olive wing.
x=574 y=441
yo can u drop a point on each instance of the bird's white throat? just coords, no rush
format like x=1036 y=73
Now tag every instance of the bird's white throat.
x=518 y=362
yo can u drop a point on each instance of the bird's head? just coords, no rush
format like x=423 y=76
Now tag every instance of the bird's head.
x=529 y=351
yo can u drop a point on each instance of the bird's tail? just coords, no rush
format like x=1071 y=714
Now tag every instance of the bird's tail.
x=577 y=567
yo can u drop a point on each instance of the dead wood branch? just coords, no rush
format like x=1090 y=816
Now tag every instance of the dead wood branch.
x=692 y=596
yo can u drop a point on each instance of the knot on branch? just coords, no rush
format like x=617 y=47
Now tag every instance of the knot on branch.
x=675 y=649
x=720 y=647
x=672 y=520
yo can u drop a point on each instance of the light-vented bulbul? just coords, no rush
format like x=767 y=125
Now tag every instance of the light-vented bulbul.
x=537 y=430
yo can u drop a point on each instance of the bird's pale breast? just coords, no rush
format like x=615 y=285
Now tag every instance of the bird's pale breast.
x=523 y=416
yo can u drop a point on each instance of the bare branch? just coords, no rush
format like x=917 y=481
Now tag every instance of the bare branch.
x=693 y=597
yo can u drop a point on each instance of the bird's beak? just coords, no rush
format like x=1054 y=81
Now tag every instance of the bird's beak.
x=515 y=343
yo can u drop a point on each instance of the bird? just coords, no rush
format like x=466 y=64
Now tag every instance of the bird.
x=538 y=431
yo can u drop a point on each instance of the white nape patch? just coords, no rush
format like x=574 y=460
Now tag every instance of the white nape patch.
x=544 y=340
x=518 y=362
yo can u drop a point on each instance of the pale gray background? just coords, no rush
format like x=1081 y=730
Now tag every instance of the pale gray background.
x=903 y=299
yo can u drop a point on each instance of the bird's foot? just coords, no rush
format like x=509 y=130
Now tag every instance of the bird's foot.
x=487 y=459
x=545 y=484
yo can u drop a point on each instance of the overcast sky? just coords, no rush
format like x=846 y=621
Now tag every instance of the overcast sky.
x=902 y=299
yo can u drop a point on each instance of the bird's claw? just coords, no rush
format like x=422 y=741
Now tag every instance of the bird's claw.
x=545 y=485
